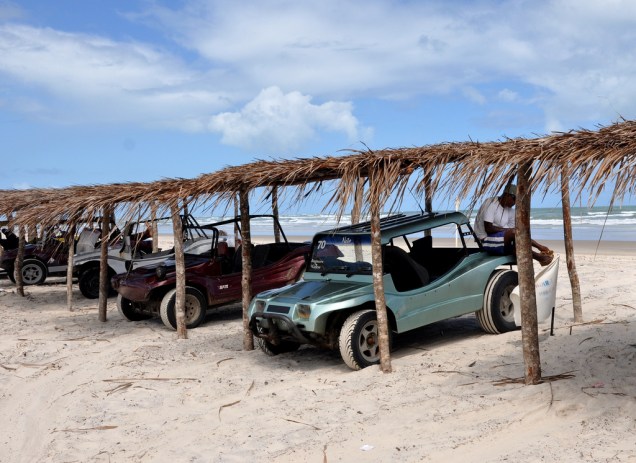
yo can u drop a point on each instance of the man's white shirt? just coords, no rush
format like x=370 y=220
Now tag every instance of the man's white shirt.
x=491 y=211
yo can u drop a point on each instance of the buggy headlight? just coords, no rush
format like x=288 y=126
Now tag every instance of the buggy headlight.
x=259 y=306
x=303 y=311
x=160 y=272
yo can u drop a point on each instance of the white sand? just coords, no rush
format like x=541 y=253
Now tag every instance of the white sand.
x=73 y=389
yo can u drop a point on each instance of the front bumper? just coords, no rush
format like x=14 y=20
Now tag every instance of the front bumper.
x=265 y=326
x=132 y=290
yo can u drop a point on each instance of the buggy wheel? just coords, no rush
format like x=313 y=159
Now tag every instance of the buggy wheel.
x=89 y=283
x=33 y=272
x=497 y=314
x=359 y=342
x=275 y=349
x=129 y=309
x=195 y=308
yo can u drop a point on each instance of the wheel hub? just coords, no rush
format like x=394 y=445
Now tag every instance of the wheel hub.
x=369 y=342
x=31 y=274
x=191 y=308
x=506 y=307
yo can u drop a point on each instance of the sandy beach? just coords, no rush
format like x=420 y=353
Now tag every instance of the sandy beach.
x=74 y=389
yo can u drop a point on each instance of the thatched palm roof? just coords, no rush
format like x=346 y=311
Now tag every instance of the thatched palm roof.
x=594 y=159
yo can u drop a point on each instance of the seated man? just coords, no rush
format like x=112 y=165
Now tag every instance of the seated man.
x=10 y=240
x=495 y=227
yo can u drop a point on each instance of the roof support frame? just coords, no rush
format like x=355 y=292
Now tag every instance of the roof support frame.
x=246 y=276
x=378 y=278
x=523 y=247
x=179 y=258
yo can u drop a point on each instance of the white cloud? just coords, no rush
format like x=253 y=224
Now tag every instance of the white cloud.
x=508 y=95
x=474 y=95
x=569 y=49
x=577 y=56
x=103 y=80
x=276 y=122
x=10 y=10
x=326 y=48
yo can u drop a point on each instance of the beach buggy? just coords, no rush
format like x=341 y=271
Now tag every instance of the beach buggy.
x=48 y=256
x=132 y=249
x=213 y=275
x=334 y=307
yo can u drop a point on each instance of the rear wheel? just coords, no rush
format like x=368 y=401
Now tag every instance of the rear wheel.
x=275 y=349
x=195 y=308
x=33 y=272
x=89 y=283
x=130 y=310
x=359 y=342
x=497 y=314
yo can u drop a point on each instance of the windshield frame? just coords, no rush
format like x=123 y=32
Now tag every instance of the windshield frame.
x=348 y=254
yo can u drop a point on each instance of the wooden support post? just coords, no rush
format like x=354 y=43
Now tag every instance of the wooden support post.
x=428 y=192
x=19 y=259
x=237 y=234
x=154 y=227
x=179 y=258
x=428 y=200
x=523 y=245
x=356 y=212
x=104 y=284
x=358 y=195
x=378 y=287
x=275 y=213
x=246 y=280
x=70 y=242
x=569 y=246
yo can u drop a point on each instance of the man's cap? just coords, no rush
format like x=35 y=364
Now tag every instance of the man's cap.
x=511 y=190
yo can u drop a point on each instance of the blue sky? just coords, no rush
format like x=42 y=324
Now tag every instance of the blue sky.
x=96 y=92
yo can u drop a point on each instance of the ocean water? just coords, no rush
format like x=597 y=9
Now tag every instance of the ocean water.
x=593 y=224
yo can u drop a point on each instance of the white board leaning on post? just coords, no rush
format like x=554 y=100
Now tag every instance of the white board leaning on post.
x=545 y=287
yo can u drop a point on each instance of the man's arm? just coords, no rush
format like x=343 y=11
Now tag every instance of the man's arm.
x=490 y=228
x=493 y=216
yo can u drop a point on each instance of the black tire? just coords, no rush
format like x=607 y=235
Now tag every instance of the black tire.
x=497 y=314
x=130 y=311
x=89 y=283
x=195 y=308
x=359 y=340
x=275 y=349
x=33 y=272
